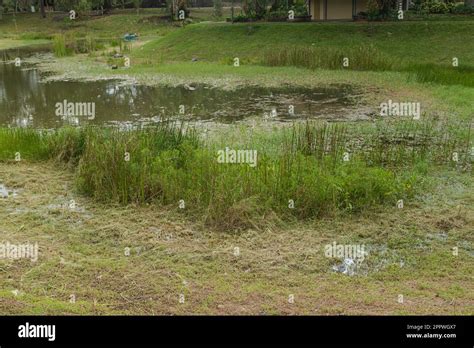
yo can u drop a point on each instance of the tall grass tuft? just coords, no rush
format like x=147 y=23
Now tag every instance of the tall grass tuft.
x=122 y=166
x=59 y=46
x=445 y=75
x=359 y=58
x=28 y=143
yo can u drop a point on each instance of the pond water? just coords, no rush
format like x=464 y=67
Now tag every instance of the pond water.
x=27 y=101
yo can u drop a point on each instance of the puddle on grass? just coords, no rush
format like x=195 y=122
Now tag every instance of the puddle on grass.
x=25 y=101
x=6 y=192
x=377 y=258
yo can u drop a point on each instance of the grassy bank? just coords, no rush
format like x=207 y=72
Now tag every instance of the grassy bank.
x=427 y=56
x=434 y=42
x=148 y=23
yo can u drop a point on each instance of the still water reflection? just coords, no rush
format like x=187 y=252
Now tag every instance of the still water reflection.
x=26 y=101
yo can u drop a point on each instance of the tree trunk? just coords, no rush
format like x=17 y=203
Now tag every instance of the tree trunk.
x=1 y=9
x=43 y=13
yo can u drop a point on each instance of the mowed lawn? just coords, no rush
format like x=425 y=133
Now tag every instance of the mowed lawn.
x=82 y=252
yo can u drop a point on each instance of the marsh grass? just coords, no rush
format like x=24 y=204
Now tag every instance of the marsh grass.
x=30 y=144
x=401 y=143
x=64 y=45
x=445 y=75
x=87 y=45
x=60 y=48
x=367 y=59
x=170 y=163
x=359 y=58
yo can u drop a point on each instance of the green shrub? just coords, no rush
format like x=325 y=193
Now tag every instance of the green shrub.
x=82 y=7
x=373 y=12
x=217 y=8
x=59 y=46
x=280 y=15
x=437 y=7
x=460 y=8
x=300 y=8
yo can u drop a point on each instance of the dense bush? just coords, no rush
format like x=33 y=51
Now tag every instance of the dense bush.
x=280 y=15
x=300 y=8
x=440 y=7
x=218 y=8
x=460 y=8
x=381 y=9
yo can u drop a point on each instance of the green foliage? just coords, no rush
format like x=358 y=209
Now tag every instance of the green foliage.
x=63 y=46
x=441 y=7
x=360 y=58
x=59 y=46
x=445 y=75
x=303 y=163
x=278 y=15
x=260 y=8
x=83 y=6
x=217 y=8
x=248 y=9
x=300 y=8
x=460 y=8
x=381 y=9
x=241 y=17
x=373 y=12
x=30 y=144
x=433 y=6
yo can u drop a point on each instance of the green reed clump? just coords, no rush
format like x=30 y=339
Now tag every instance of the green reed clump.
x=122 y=166
x=67 y=145
x=302 y=175
x=445 y=75
x=28 y=143
x=86 y=45
x=400 y=143
x=60 y=48
x=359 y=58
x=171 y=165
x=317 y=139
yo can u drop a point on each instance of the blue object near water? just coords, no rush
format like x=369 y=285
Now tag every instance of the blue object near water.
x=130 y=37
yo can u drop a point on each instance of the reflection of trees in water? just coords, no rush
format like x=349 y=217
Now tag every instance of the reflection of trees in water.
x=26 y=101
x=21 y=96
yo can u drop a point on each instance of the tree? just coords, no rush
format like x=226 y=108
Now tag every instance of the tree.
x=218 y=8
x=385 y=6
x=137 y=4
x=43 y=13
